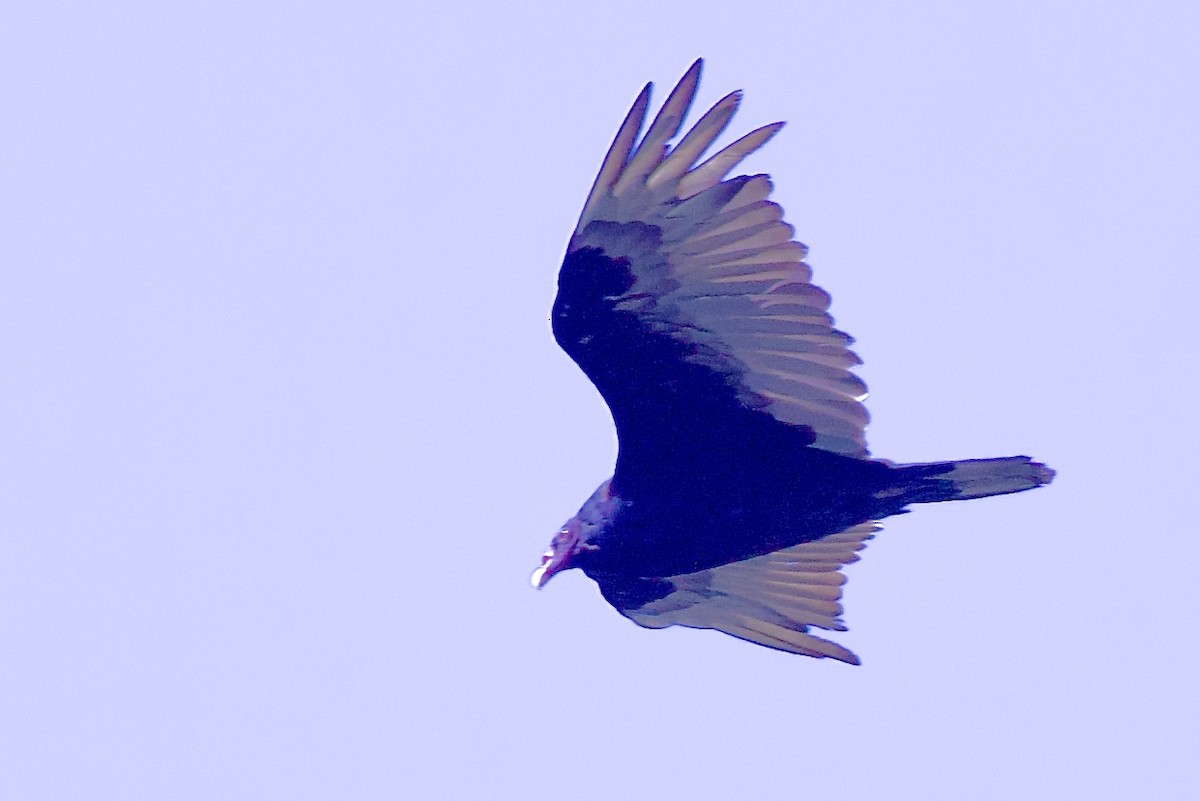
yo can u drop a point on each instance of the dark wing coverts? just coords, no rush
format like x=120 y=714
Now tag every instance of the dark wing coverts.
x=684 y=293
x=686 y=301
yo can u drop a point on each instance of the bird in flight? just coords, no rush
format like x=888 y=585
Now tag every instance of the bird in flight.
x=743 y=483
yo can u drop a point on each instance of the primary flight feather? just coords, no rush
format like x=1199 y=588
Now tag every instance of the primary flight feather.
x=743 y=483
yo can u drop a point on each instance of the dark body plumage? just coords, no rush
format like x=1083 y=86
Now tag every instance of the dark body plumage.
x=695 y=463
x=742 y=483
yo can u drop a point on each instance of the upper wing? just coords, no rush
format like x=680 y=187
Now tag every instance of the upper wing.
x=684 y=295
x=770 y=600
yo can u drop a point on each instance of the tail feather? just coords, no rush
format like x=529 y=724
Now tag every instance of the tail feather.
x=972 y=478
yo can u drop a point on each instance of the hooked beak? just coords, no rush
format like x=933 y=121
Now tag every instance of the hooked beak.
x=552 y=562
x=561 y=554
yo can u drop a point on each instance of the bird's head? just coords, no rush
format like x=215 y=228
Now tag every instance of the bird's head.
x=561 y=553
x=578 y=535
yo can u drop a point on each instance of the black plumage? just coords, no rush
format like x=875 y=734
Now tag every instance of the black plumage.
x=743 y=482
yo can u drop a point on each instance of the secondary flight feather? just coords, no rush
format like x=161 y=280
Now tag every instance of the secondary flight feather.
x=743 y=482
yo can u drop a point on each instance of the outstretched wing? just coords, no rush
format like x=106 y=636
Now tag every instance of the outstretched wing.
x=770 y=600
x=686 y=301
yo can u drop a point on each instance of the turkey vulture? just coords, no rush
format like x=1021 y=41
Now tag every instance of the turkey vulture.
x=743 y=483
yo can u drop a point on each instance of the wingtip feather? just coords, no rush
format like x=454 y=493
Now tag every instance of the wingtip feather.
x=617 y=156
x=650 y=151
x=713 y=170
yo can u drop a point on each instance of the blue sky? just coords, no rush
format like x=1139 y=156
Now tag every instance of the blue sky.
x=284 y=430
